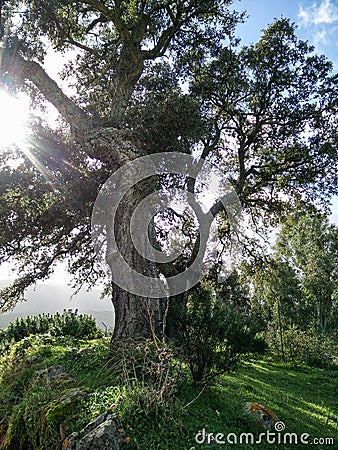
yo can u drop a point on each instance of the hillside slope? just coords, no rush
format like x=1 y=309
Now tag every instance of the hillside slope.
x=163 y=412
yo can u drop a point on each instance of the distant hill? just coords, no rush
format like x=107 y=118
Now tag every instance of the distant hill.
x=52 y=298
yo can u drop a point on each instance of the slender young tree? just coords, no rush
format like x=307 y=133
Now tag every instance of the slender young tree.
x=310 y=244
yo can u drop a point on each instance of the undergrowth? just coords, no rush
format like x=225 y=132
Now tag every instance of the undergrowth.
x=153 y=394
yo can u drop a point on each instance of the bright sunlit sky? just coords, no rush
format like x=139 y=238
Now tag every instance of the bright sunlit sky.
x=317 y=22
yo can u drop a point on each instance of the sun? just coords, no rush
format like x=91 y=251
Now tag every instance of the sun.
x=14 y=115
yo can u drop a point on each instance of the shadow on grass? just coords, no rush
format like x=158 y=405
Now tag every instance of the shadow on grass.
x=302 y=397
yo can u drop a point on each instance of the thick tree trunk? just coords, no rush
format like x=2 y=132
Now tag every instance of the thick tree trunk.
x=175 y=313
x=137 y=313
x=135 y=316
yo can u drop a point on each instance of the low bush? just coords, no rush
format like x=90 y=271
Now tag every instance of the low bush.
x=300 y=346
x=148 y=372
x=69 y=323
x=215 y=335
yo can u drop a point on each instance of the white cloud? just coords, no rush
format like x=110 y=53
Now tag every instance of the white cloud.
x=320 y=37
x=324 y=13
x=319 y=21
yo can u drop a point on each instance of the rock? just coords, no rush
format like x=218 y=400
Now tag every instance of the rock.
x=59 y=408
x=33 y=358
x=51 y=373
x=85 y=351
x=72 y=349
x=261 y=415
x=56 y=374
x=104 y=433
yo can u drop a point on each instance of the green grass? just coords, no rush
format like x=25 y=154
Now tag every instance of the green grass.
x=304 y=398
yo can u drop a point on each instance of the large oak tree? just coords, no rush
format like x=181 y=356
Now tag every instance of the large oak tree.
x=154 y=76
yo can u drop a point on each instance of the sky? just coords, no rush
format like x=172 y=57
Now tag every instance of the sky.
x=317 y=22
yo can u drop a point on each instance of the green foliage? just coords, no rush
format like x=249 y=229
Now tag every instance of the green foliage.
x=216 y=332
x=305 y=347
x=69 y=323
x=149 y=374
x=28 y=427
x=163 y=116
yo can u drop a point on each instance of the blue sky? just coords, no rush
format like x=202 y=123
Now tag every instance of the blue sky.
x=317 y=22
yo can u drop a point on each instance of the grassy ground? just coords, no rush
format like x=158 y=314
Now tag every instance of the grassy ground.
x=305 y=399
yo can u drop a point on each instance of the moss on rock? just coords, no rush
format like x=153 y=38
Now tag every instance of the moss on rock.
x=59 y=409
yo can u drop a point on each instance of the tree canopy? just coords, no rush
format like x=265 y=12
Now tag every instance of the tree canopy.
x=151 y=77
x=309 y=244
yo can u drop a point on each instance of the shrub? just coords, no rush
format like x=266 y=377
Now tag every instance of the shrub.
x=69 y=323
x=149 y=375
x=215 y=335
x=80 y=326
x=306 y=347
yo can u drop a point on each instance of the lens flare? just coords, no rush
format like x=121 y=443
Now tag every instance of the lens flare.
x=14 y=115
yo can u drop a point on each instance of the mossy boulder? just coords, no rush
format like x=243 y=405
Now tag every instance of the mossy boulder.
x=61 y=407
x=35 y=421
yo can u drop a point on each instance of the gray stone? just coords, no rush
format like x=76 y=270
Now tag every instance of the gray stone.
x=58 y=408
x=104 y=433
x=54 y=374
x=85 y=351
x=32 y=358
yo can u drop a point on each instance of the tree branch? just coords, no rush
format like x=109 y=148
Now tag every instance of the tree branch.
x=79 y=45
x=98 y=6
x=113 y=15
x=76 y=117
x=162 y=44
x=95 y=22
